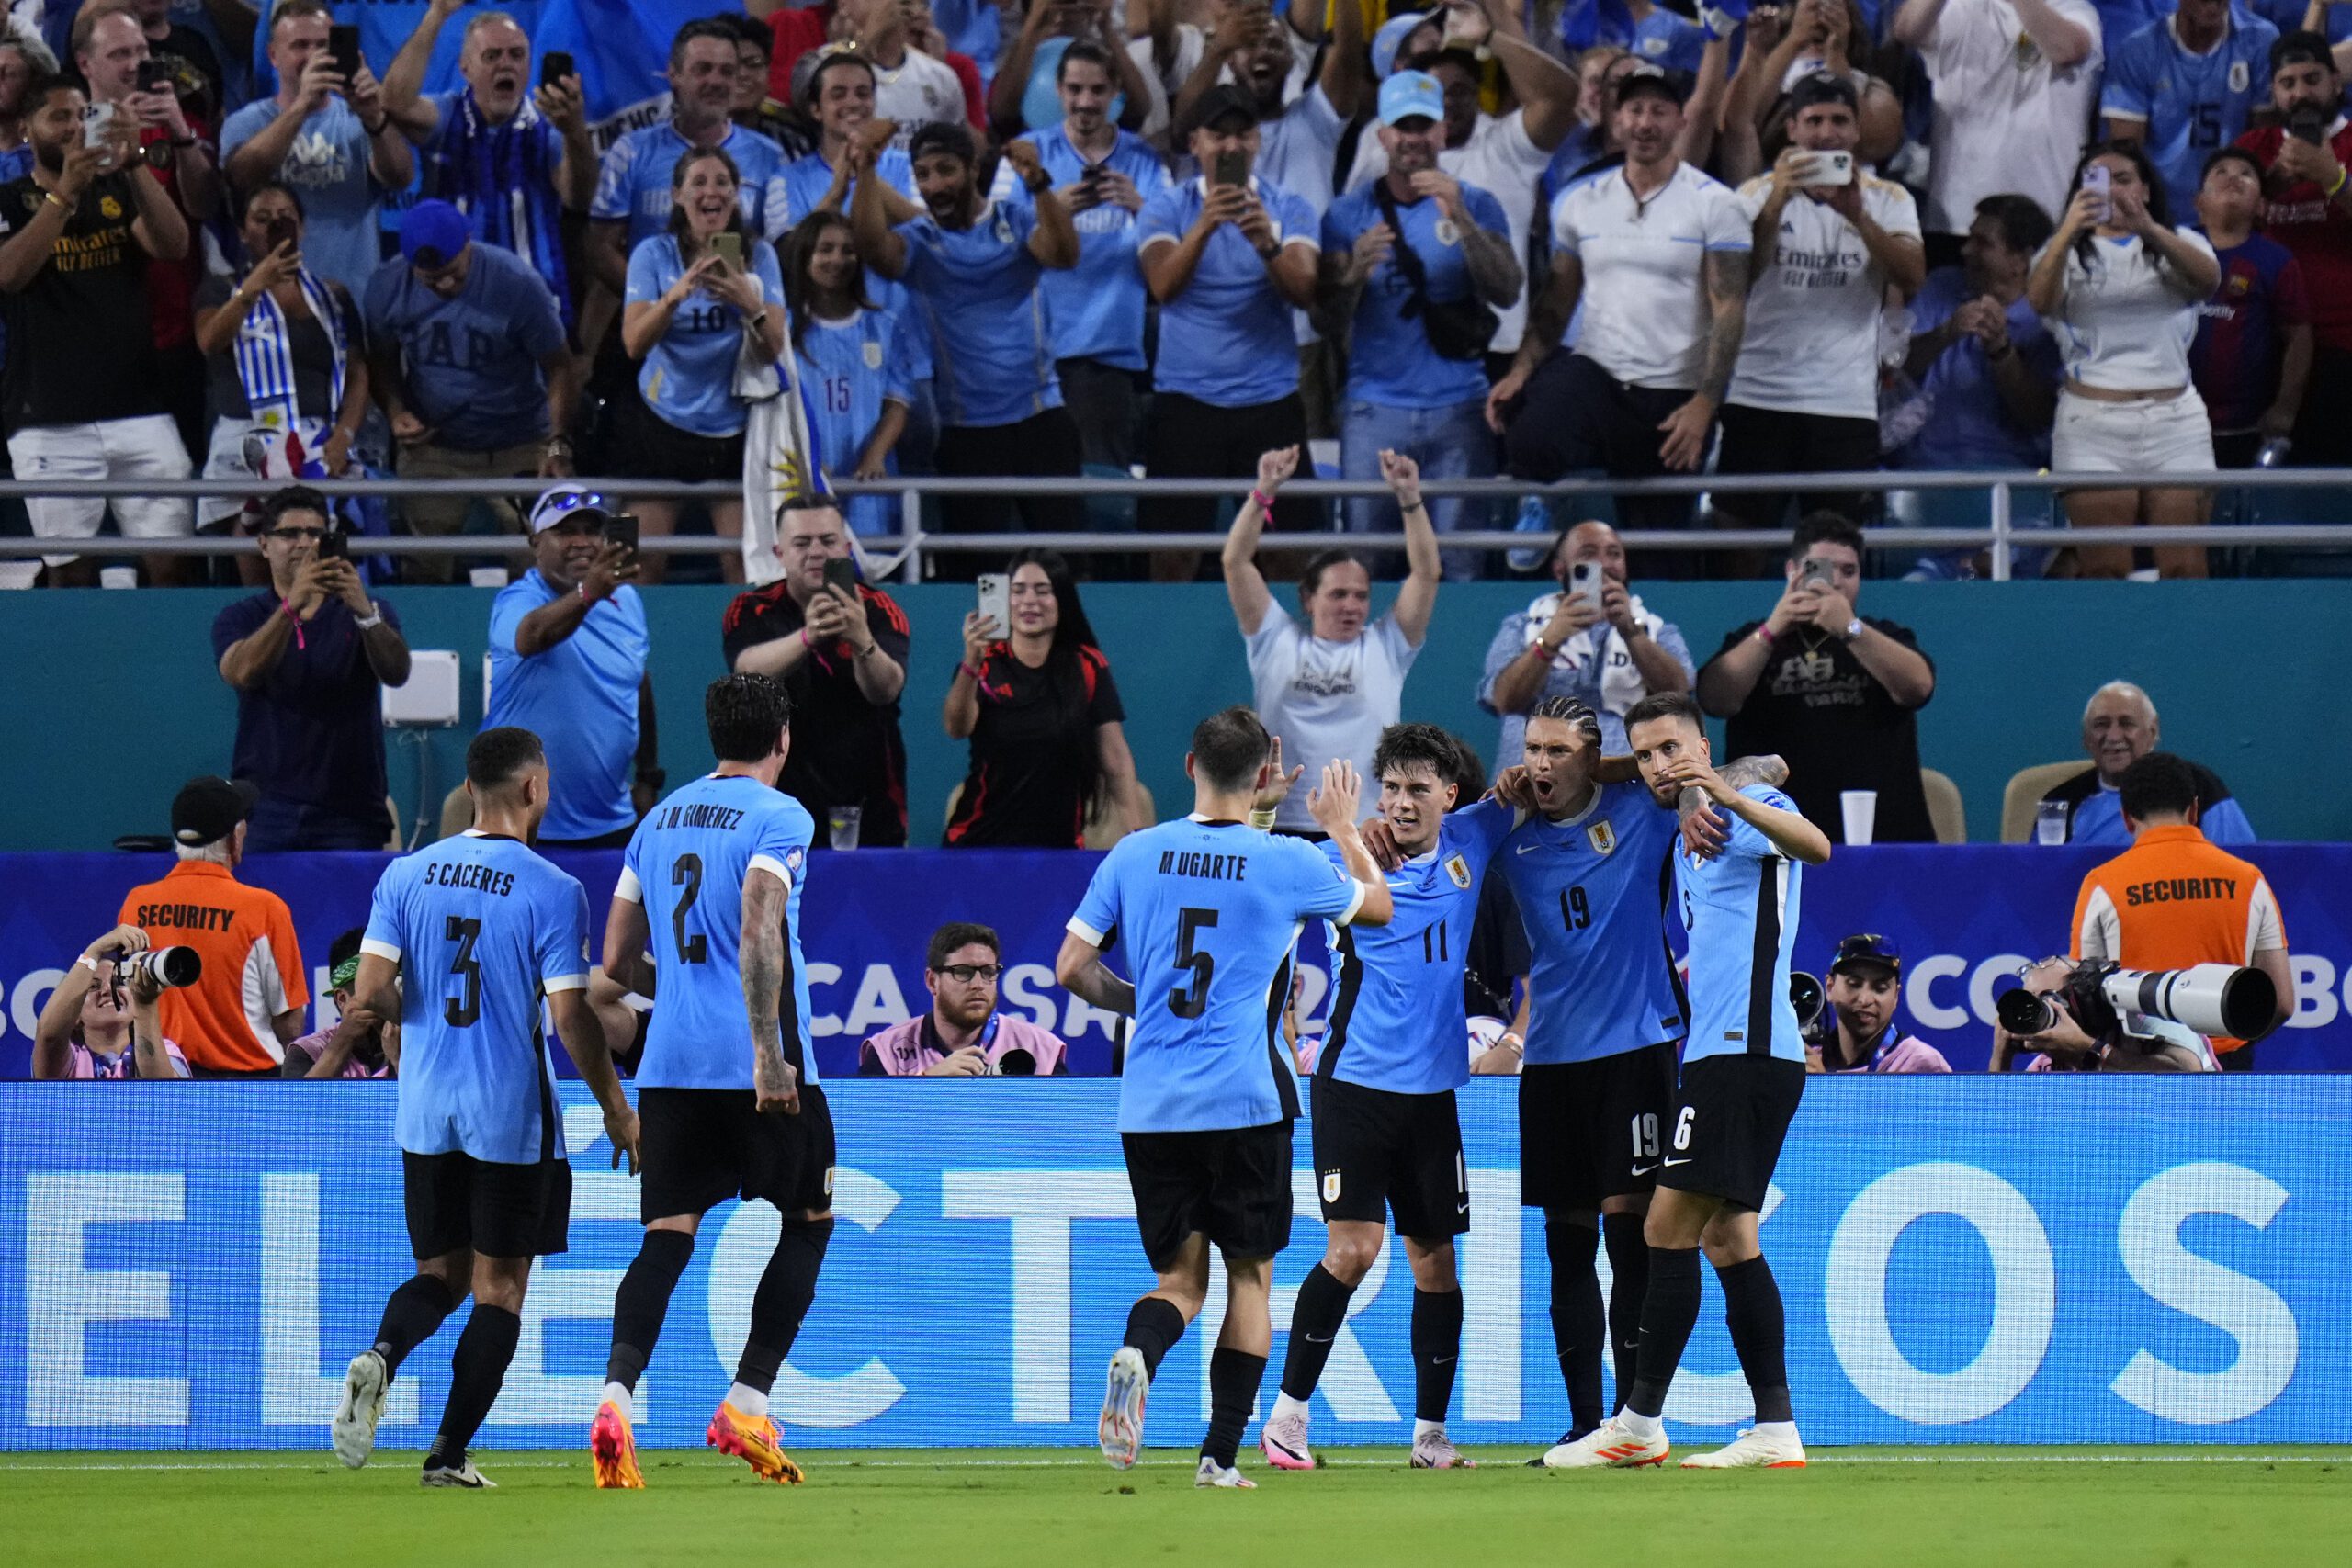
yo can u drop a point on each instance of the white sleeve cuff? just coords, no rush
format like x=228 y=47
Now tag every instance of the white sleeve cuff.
x=1355 y=903
x=773 y=867
x=1078 y=927
x=629 y=887
x=564 y=983
x=383 y=949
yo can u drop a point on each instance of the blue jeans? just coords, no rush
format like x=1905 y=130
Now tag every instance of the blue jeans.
x=1448 y=442
x=280 y=824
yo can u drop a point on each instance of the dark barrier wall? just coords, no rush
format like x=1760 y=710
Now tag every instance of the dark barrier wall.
x=115 y=699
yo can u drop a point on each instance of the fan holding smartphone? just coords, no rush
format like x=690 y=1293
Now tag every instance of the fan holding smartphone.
x=1593 y=640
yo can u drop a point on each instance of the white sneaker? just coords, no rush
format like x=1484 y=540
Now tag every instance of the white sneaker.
x=1435 y=1450
x=1752 y=1450
x=464 y=1475
x=364 y=1383
x=1120 y=1430
x=1609 y=1445
x=1212 y=1474
x=1282 y=1439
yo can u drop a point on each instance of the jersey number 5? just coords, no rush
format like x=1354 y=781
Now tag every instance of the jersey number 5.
x=1191 y=1001
x=462 y=1012
x=687 y=873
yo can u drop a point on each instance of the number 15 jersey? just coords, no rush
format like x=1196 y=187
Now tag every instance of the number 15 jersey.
x=1210 y=912
x=686 y=864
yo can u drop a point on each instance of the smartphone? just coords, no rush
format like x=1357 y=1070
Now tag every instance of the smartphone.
x=334 y=544
x=841 y=572
x=728 y=246
x=2098 y=182
x=343 y=48
x=1831 y=169
x=154 y=76
x=95 y=119
x=995 y=601
x=1585 y=582
x=621 y=529
x=554 y=66
x=279 y=232
x=1229 y=169
x=1811 y=573
x=2307 y=122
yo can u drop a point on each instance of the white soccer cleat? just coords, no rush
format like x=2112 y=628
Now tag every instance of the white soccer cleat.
x=1435 y=1450
x=1752 y=1450
x=463 y=1475
x=1282 y=1439
x=1120 y=1430
x=1212 y=1474
x=362 y=1406
x=1609 y=1446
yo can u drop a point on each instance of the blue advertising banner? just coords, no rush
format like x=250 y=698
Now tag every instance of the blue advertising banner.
x=1965 y=916
x=2046 y=1260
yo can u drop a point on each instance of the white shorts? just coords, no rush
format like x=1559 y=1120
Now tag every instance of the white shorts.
x=147 y=447
x=2154 y=436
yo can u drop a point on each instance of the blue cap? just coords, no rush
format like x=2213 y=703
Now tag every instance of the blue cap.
x=1411 y=93
x=1868 y=948
x=1391 y=38
x=433 y=233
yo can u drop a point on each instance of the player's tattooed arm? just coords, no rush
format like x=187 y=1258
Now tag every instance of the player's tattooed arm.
x=1704 y=833
x=1082 y=974
x=773 y=1082
x=1769 y=769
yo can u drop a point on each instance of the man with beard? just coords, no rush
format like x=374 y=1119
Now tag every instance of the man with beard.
x=1856 y=1031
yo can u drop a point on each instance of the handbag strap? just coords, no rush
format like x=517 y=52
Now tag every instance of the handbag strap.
x=1407 y=259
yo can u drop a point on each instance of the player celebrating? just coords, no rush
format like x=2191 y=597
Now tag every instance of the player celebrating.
x=1742 y=1074
x=464 y=939
x=1387 y=1132
x=1210 y=908
x=727 y=1085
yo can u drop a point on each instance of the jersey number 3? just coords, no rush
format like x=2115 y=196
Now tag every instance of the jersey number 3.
x=1191 y=1001
x=462 y=1012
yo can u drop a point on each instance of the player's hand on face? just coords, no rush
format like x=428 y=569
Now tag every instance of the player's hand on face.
x=1513 y=790
x=1278 y=784
x=620 y=1125
x=775 y=1087
x=1333 y=804
x=1690 y=771
x=966 y=1063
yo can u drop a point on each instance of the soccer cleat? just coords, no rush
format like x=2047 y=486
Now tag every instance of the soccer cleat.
x=1435 y=1450
x=1120 y=1430
x=1609 y=1445
x=1752 y=1450
x=1282 y=1439
x=462 y=1473
x=1212 y=1474
x=752 y=1439
x=364 y=1383
x=612 y=1447
x=1566 y=1439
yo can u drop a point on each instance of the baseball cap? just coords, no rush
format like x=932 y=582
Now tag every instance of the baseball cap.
x=2301 y=49
x=1229 y=101
x=562 y=501
x=1868 y=950
x=1391 y=38
x=208 y=809
x=433 y=233
x=1646 y=79
x=1409 y=94
x=1821 y=87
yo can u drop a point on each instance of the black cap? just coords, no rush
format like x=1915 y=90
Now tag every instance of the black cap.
x=1821 y=87
x=1868 y=950
x=1646 y=81
x=208 y=809
x=2301 y=49
x=1227 y=101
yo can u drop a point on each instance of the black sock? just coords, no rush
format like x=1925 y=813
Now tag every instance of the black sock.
x=1759 y=1333
x=1234 y=1377
x=1577 y=1328
x=1153 y=1326
x=786 y=1287
x=1629 y=1281
x=478 y=1369
x=1314 y=1325
x=1670 y=1311
x=418 y=1308
x=1437 y=1351
x=643 y=1301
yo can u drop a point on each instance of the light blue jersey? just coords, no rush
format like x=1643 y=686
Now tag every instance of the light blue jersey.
x=1391 y=363
x=1209 y=913
x=1741 y=912
x=482 y=929
x=2188 y=105
x=850 y=368
x=1591 y=892
x=808 y=180
x=633 y=182
x=1228 y=338
x=686 y=865
x=1397 y=1021
x=688 y=379
x=977 y=291
x=1096 y=306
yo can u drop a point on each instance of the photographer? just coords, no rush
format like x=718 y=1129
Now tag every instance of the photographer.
x=1856 y=1032
x=306 y=656
x=2066 y=1046
x=85 y=1030
x=362 y=1044
x=962 y=1035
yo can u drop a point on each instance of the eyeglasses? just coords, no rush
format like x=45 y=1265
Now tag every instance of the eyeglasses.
x=294 y=535
x=965 y=974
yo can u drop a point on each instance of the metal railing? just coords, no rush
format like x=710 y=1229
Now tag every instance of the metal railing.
x=907 y=550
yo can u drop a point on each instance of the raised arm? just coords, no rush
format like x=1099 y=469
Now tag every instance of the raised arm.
x=2066 y=41
x=1417 y=596
x=1245 y=585
x=403 y=90
x=1333 y=805
x=1915 y=23
x=869 y=223
x=1546 y=90
x=1054 y=243
x=1346 y=76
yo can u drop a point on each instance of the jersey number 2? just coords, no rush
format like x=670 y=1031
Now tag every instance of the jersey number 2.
x=462 y=1012
x=687 y=873
x=1191 y=1001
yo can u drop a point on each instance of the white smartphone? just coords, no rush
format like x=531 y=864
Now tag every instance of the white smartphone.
x=1831 y=169
x=1584 y=582
x=2099 y=182
x=95 y=119
x=995 y=601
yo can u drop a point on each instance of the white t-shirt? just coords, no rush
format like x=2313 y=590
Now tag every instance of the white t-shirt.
x=1499 y=159
x=2126 y=324
x=1325 y=699
x=1813 y=317
x=2005 y=120
x=922 y=91
x=1644 y=300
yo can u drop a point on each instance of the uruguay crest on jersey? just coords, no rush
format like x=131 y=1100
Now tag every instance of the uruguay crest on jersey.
x=1459 y=869
x=1602 y=835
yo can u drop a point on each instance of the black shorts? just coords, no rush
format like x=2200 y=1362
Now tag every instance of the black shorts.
x=650 y=447
x=1376 y=1150
x=1590 y=1130
x=1231 y=1185
x=701 y=1147
x=1734 y=1115
x=456 y=1201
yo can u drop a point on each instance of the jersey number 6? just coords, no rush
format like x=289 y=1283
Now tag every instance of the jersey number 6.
x=1191 y=1001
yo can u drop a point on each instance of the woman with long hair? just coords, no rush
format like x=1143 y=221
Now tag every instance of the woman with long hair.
x=1039 y=705
x=2119 y=286
x=691 y=310
x=858 y=363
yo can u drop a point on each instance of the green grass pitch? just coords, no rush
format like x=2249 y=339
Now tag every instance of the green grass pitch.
x=1882 y=1507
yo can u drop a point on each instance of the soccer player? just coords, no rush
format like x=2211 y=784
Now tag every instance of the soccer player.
x=1743 y=1073
x=1386 y=1134
x=1209 y=910
x=465 y=938
x=728 y=1087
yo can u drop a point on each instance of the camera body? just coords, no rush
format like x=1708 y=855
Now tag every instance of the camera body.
x=2106 y=1000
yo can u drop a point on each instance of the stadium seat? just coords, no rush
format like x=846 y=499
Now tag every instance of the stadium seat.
x=1104 y=828
x=2025 y=788
x=1945 y=808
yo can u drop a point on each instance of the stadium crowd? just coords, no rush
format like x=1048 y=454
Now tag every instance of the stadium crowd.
x=1597 y=238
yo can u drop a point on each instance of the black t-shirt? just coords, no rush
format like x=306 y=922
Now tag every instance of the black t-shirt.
x=81 y=338
x=313 y=733
x=1026 y=786
x=313 y=355
x=845 y=750
x=1837 y=729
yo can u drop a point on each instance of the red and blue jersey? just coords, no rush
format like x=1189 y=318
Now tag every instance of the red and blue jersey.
x=2242 y=330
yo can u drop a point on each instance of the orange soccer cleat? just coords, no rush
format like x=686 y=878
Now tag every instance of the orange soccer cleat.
x=613 y=1447
x=752 y=1439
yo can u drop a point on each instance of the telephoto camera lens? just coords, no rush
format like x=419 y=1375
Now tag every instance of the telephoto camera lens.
x=1017 y=1065
x=168 y=967
x=2025 y=1012
x=1805 y=996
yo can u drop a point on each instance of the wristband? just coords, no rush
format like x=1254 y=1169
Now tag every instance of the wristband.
x=285 y=608
x=977 y=676
x=1765 y=636
x=1545 y=648
x=87 y=962
x=52 y=196
x=183 y=141
x=2340 y=173
x=1261 y=820
x=371 y=620
x=1265 y=503
x=1511 y=1041
x=377 y=129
